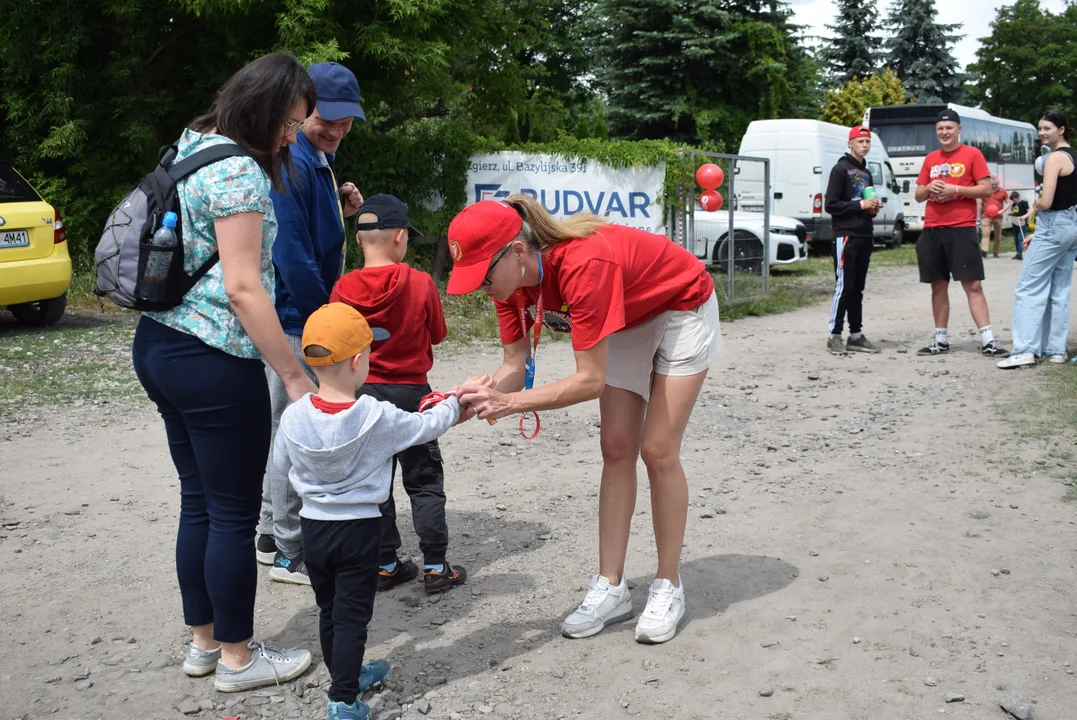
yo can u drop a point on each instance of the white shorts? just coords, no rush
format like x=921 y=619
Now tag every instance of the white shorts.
x=676 y=343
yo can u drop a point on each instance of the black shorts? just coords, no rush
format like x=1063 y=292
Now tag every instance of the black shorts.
x=942 y=253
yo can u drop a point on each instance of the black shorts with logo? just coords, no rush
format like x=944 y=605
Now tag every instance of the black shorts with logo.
x=942 y=253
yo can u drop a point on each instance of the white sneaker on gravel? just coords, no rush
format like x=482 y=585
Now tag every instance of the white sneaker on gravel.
x=200 y=662
x=1016 y=361
x=269 y=665
x=604 y=604
x=665 y=608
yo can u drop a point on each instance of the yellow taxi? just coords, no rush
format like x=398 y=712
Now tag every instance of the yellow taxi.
x=35 y=267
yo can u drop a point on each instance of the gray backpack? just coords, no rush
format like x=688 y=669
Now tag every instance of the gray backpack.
x=125 y=246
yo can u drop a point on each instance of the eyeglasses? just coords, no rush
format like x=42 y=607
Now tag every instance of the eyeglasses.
x=486 y=282
x=292 y=127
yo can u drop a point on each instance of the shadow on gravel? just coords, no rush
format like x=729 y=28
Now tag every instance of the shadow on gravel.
x=431 y=654
x=71 y=319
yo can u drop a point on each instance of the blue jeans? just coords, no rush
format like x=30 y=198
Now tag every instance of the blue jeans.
x=1041 y=304
x=1018 y=238
x=216 y=412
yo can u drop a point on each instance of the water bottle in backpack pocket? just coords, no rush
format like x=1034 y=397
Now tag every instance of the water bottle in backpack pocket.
x=159 y=257
x=139 y=259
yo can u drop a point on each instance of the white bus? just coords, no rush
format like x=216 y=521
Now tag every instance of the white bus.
x=908 y=132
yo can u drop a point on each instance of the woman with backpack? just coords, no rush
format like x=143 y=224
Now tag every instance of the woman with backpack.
x=200 y=362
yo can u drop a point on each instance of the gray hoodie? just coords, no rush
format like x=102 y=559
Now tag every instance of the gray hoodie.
x=341 y=465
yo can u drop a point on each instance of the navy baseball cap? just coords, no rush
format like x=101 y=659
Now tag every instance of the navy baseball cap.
x=948 y=115
x=338 y=91
x=391 y=212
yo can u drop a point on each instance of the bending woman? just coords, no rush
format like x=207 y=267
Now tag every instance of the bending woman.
x=644 y=323
x=200 y=363
x=1041 y=303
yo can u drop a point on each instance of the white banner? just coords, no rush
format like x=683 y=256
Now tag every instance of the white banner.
x=627 y=196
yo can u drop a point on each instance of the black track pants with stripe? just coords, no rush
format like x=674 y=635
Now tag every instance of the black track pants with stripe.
x=852 y=255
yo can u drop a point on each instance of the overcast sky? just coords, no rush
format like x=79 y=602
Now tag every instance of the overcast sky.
x=974 y=15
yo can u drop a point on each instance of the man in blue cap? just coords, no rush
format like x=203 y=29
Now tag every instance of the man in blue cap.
x=308 y=256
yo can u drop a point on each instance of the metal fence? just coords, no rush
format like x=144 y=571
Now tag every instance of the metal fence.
x=737 y=239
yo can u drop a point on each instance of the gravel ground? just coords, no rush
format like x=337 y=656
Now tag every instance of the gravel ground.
x=869 y=537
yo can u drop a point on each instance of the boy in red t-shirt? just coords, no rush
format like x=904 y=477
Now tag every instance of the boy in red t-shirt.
x=405 y=302
x=992 y=224
x=951 y=180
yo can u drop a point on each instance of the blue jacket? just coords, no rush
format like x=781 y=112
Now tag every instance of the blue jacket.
x=310 y=237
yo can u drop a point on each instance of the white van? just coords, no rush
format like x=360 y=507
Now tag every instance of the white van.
x=801 y=154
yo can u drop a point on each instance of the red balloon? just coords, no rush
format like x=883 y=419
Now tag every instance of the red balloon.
x=992 y=209
x=709 y=176
x=710 y=201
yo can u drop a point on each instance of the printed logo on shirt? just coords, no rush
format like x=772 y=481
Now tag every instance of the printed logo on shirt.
x=556 y=321
x=948 y=170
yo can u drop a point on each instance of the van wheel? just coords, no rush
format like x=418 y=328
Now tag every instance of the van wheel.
x=897 y=237
x=747 y=252
x=42 y=313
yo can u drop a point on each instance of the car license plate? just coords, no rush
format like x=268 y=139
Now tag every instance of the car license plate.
x=14 y=239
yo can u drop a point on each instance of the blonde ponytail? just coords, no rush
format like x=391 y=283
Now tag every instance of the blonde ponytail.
x=545 y=229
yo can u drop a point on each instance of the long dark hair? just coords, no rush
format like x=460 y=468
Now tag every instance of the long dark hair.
x=1059 y=119
x=253 y=104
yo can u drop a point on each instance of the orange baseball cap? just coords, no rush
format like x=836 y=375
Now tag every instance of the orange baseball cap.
x=340 y=329
x=475 y=236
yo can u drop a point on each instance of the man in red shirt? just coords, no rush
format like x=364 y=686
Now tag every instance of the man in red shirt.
x=951 y=180
x=992 y=224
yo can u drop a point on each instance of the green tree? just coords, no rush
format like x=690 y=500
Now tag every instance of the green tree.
x=601 y=131
x=853 y=51
x=1028 y=63
x=846 y=104
x=90 y=89
x=697 y=70
x=920 y=51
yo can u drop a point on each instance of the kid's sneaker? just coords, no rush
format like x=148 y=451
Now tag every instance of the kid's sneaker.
x=450 y=576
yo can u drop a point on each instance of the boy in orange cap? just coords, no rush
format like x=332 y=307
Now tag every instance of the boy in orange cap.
x=337 y=452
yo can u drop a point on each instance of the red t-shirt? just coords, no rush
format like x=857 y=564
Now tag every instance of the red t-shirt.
x=999 y=197
x=328 y=407
x=963 y=166
x=615 y=279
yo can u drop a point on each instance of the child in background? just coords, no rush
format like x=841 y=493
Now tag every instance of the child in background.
x=337 y=452
x=405 y=302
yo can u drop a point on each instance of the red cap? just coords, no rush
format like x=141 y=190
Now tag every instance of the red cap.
x=475 y=236
x=859 y=131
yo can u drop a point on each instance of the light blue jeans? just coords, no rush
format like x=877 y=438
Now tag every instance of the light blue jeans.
x=1041 y=303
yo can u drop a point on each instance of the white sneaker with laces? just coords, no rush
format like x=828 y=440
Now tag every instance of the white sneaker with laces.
x=1056 y=359
x=603 y=605
x=664 y=611
x=1015 y=361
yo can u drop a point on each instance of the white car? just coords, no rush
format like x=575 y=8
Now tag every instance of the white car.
x=708 y=239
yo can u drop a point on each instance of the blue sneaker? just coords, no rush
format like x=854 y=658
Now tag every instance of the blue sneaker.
x=358 y=710
x=373 y=673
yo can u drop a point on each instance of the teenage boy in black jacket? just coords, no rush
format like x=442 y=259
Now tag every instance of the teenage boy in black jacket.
x=851 y=216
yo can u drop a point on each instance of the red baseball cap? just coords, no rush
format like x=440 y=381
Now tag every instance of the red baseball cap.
x=859 y=131
x=475 y=236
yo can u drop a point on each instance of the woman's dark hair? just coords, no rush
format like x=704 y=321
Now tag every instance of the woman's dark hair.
x=253 y=104
x=1059 y=119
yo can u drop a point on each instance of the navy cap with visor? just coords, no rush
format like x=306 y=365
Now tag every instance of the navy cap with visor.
x=338 y=91
x=391 y=213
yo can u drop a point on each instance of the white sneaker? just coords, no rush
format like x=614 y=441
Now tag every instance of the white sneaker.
x=1056 y=359
x=665 y=608
x=1015 y=361
x=604 y=604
